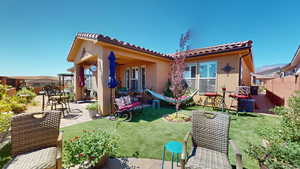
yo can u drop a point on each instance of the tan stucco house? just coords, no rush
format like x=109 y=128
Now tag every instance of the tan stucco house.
x=208 y=69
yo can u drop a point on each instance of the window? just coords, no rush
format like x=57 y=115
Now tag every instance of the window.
x=135 y=78
x=127 y=73
x=190 y=75
x=208 y=75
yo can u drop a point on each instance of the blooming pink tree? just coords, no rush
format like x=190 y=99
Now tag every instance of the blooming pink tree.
x=178 y=86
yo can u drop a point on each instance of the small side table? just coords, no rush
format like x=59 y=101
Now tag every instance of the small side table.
x=155 y=104
x=174 y=147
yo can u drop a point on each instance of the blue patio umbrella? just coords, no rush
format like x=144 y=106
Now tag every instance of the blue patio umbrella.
x=112 y=82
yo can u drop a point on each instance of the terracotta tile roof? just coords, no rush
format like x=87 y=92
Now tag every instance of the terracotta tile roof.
x=217 y=49
x=107 y=39
x=191 y=53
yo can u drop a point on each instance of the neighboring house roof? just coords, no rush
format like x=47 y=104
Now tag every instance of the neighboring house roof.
x=269 y=69
x=217 y=49
x=190 y=53
x=260 y=76
x=295 y=61
x=34 y=77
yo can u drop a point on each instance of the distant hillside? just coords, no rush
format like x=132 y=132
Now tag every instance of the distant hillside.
x=269 y=68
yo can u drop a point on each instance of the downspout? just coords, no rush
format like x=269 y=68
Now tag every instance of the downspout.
x=240 y=64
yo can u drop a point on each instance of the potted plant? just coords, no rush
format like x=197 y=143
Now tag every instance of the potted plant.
x=91 y=150
x=93 y=109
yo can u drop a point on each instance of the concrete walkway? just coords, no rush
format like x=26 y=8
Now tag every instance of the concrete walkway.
x=135 y=163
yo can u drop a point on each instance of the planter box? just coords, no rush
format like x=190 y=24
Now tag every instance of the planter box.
x=101 y=162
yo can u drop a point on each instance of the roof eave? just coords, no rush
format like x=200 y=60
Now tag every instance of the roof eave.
x=219 y=52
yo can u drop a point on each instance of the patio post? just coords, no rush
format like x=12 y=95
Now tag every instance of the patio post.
x=104 y=92
x=77 y=88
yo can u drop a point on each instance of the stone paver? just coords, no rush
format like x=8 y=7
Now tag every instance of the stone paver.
x=78 y=113
x=135 y=163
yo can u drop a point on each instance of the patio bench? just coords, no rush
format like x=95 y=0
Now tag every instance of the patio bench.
x=125 y=106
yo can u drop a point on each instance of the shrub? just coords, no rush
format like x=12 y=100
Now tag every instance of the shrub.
x=88 y=149
x=5 y=106
x=92 y=106
x=13 y=103
x=5 y=120
x=3 y=90
x=28 y=93
x=283 y=143
x=18 y=107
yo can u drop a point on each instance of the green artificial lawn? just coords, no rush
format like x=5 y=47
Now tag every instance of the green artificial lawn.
x=146 y=134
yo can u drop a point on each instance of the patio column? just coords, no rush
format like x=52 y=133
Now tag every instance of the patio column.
x=104 y=95
x=77 y=88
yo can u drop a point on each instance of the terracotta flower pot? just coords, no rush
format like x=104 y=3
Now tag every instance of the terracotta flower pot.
x=101 y=162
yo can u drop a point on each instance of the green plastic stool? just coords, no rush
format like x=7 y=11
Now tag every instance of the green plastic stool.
x=174 y=147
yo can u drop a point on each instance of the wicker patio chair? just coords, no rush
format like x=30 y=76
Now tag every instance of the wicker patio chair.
x=36 y=141
x=210 y=143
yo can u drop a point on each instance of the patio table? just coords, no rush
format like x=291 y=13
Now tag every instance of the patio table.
x=174 y=147
x=61 y=100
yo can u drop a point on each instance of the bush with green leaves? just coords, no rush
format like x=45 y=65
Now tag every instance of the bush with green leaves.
x=29 y=94
x=12 y=103
x=3 y=91
x=5 y=120
x=282 y=149
x=92 y=106
x=89 y=148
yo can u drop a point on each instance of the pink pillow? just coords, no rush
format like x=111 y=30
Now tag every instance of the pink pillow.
x=127 y=100
x=120 y=102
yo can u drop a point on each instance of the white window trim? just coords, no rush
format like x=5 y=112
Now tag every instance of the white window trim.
x=138 y=76
x=190 y=66
x=209 y=78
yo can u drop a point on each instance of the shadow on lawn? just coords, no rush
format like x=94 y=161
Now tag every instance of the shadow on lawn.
x=150 y=114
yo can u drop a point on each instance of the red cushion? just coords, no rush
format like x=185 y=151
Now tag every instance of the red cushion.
x=211 y=94
x=239 y=96
x=182 y=97
x=130 y=106
x=136 y=104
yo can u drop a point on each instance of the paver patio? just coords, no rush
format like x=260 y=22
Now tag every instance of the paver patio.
x=135 y=163
x=77 y=115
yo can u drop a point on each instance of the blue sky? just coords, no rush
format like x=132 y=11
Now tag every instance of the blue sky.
x=36 y=35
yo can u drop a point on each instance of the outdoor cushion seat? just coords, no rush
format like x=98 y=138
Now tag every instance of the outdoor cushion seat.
x=238 y=96
x=211 y=94
x=207 y=159
x=130 y=106
x=40 y=159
